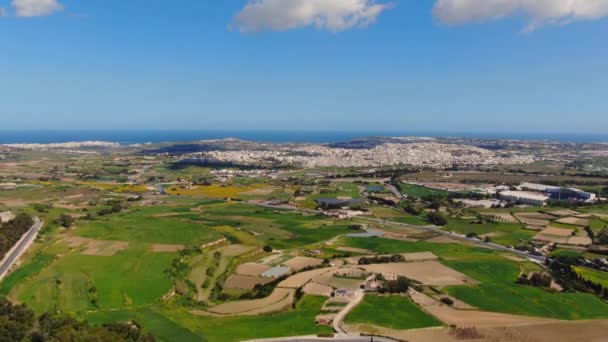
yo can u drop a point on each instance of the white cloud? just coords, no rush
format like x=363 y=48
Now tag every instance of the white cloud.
x=333 y=15
x=36 y=8
x=539 y=12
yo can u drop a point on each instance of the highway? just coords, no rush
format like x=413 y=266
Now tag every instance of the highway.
x=21 y=246
x=334 y=339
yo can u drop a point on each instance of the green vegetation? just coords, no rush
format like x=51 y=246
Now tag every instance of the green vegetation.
x=498 y=292
x=301 y=321
x=420 y=191
x=150 y=225
x=500 y=232
x=34 y=266
x=595 y=276
x=77 y=283
x=395 y=312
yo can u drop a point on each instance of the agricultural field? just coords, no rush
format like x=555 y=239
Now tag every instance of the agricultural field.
x=395 y=312
x=252 y=253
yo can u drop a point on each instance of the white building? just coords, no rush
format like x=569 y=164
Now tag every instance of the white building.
x=6 y=216
x=524 y=197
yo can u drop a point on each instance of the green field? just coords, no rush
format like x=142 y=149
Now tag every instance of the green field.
x=149 y=225
x=131 y=278
x=395 y=312
x=498 y=292
x=448 y=251
x=34 y=266
x=420 y=191
x=593 y=275
x=179 y=325
x=502 y=233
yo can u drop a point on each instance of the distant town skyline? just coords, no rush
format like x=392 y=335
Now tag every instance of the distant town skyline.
x=306 y=65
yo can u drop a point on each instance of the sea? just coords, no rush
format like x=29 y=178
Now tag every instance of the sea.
x=126 y=137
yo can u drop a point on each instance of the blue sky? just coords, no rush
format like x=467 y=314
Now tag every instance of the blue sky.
x=360 y=65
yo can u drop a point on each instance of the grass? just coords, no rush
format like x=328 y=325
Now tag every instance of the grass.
x=34 y=266
x=593 y=275
x=131 y=278
x=395 y=312
x=505 y=233
x=420 y=191
x=179 y=325
x=147 y=225
x=215 y=191
x=448 y=251
x=498 y=292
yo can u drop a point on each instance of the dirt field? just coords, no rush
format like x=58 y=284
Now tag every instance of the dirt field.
x=526 y=219
x=441 y=239
x=574 y=221
x=300 y=279
x=471 y=318
x=503 y=217
x=355 y=250
x=251 y=269
x=299 y=263
x=550 y=238
x=316 y=289
x=428 y=273
x=161 y=248
x=256 y=306
x=579 y=241
x=557 y=231
x=588 y=331
x=237 y=281
x=236 y=250
x=328 y=279
x=563 y=212
x=96 y=247
x=409 y=257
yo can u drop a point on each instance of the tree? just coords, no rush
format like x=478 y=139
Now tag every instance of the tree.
x=602 y=236
x=436 y=218
x=267 y=249
x=65 y=220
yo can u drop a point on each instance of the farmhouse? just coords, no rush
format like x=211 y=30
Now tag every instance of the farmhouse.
x=341 y=293
x=6 y=216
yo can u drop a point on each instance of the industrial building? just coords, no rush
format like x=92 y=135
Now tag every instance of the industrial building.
x=560 y=193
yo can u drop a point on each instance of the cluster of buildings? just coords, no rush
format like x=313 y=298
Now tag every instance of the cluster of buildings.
x=425 y=154
x=540 y=194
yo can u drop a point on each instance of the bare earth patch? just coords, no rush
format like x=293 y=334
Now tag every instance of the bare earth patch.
x=236 y=250
x=237 y=281
x=441 y=239
x=428 y=273
x=471 y=318
x=272 y=303
x=300 y=279
x=316 y=289
x=299 y=263
x=574 y=221
x=251 y=269
x=579 y=241
x=96 y=247
x=557 y=231
x=163 y=248
x=563 y=212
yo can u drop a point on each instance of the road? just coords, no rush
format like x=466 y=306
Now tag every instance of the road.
x=21 y=246
x=337 y=322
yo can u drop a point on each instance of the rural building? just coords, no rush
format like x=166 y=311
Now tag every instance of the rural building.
x=6 y=216
x=276 y=272
x=524 y=197
x=340 y=293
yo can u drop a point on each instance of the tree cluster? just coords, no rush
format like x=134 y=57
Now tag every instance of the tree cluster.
x=436 y=218
x=19 y=323
x=401 y=285
x=569 y=279
x=535 y=279
x=381 y=259
x=11 y=232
